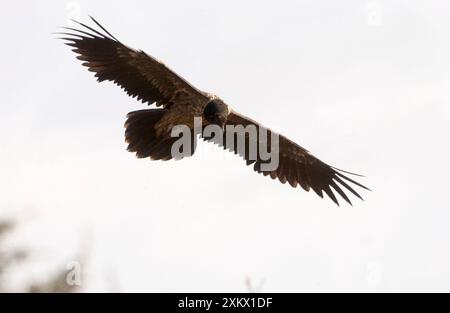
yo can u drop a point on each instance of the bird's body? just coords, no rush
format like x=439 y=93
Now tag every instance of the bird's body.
x=148 y=132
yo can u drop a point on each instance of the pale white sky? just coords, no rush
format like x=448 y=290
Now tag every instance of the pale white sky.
x=364 y=85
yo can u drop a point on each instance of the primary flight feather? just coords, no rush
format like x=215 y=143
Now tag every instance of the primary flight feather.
x=148 y=131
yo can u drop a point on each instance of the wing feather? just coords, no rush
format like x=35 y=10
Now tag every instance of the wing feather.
x=297 y=166
x=140 y=75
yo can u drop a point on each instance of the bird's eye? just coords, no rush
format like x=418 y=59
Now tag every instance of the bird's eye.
x=211 y=109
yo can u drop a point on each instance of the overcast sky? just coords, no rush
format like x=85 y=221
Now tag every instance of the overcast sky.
x=363 y=85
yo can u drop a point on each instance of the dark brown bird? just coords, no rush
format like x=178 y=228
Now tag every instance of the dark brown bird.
x=148 y=131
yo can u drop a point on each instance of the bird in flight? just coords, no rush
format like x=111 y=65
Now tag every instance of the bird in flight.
x=178 y=102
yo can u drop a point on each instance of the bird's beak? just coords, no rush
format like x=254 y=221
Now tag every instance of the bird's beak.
x=222 y=120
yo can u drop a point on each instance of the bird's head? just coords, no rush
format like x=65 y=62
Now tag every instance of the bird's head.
x=216 y=112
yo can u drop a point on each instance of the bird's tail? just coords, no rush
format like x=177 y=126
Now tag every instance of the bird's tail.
x=140 y=134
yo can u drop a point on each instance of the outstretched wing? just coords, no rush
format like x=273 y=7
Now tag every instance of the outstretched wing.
x=296 y=165
x=139 y=74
